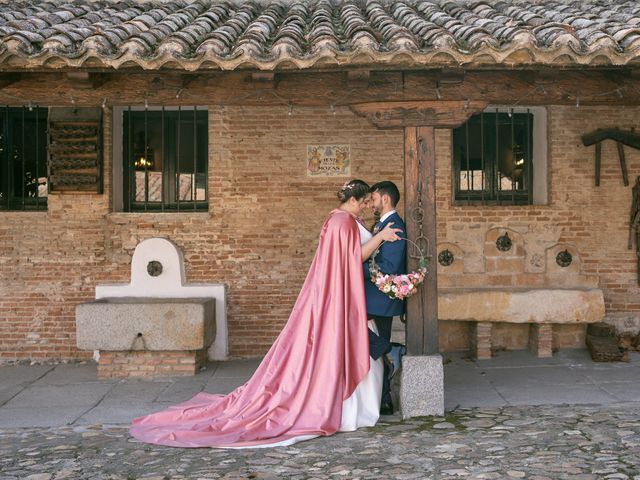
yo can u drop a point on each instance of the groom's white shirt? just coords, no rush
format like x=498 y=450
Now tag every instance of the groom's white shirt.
x=386 y=215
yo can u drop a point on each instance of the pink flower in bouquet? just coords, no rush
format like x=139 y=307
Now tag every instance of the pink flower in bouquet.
x=397 y=286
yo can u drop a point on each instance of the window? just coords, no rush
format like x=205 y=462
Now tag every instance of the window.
x=498 y=155
x=164 y=165
x=23 y=158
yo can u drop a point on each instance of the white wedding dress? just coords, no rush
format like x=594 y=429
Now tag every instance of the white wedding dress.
x=362 y=408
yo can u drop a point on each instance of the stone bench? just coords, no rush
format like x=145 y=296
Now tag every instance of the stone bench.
x=538 y=307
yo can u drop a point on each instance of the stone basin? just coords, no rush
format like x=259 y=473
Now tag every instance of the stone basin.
x=142 y=323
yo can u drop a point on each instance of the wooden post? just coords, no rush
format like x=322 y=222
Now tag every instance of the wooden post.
x=598 y=161
x=420 y=208
x=419 y=120
x=623 y=164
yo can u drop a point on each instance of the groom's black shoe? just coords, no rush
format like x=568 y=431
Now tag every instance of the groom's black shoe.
x=386 y=408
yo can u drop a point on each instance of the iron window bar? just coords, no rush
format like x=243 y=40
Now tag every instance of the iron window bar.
x=177 y=176
x=20 y=159
x=167 y=127
x=488 y=171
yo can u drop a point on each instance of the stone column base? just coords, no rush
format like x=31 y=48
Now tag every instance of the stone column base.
x=422 y=386
x=144 y=363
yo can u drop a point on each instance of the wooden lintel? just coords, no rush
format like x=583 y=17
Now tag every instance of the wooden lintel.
x=358 y=78
x=450 y=76
x=264 y=79
x=8 y=79
x=543 y=77
x=440 y=114
x=86 y=79
x=186 y=80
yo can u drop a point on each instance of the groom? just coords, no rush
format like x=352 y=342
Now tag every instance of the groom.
x=391 y=258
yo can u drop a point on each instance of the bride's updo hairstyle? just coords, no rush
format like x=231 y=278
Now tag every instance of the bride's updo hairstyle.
x=353 y=188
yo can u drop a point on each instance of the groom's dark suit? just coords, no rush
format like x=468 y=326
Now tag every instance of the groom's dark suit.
x=390 y=259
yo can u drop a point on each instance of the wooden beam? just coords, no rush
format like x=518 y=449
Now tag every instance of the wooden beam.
x=420 y=219
x=329 y=88
x=358 y=78
x=441 y=114
x=451 y=76
x=86 y=80
x=7 y=79
x=629 y=138
x=264 y=80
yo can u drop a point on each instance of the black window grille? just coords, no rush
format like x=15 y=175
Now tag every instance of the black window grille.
x=165 y=157
x=492 y=158
x=23 y=158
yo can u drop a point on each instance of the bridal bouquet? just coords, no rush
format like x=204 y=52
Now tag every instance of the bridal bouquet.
x=398 y=286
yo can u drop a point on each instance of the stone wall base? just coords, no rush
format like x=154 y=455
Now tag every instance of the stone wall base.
x=150 y=363
x=422 y=386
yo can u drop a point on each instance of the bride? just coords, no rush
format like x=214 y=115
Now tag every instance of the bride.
x=317 y=377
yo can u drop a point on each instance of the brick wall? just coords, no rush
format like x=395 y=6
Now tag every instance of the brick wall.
x=264 y=215
x=259 y=235
x=591 y=221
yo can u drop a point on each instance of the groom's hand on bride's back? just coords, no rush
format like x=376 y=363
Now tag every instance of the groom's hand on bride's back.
x=390 y=234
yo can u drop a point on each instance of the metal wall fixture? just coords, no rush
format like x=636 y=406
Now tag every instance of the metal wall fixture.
x=564 y=258
x=445 y=258
x=504 y=243
x=154 y=268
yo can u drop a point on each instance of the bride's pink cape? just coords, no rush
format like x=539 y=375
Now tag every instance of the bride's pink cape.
x=315 y=363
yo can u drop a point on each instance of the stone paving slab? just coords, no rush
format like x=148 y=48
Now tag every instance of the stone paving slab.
x=629 y=392
x=22 y=374
x=79 y=394
x=8 y=392
x=534 y=376
x=224 y=385
x=519 y=358
x=555 y=395
x=119 y=414
x=480 y=395
x=65 y=374
x=53 y=416
x=537 y=443
x=626 y=374
x=236 y=369
x=181 y=391
x=134 y=392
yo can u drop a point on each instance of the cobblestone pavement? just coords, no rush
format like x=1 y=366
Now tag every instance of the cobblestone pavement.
x=541 y=442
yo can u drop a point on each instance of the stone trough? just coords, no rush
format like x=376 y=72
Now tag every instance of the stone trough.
x=157 y=324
